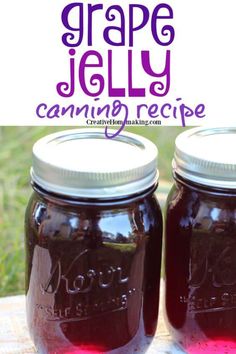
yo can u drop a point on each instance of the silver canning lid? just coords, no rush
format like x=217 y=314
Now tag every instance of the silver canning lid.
x=84 y=163
x=207 y=156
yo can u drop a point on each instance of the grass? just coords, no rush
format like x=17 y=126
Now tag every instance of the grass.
x=15 y=161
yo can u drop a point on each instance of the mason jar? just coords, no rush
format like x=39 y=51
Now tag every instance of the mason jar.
x=200 y=242
x=93 y=233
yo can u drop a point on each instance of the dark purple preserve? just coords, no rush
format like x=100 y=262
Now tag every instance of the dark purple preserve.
x=200 y=245
x=93 y=243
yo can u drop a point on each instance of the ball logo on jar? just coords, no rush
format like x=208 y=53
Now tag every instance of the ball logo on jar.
x=82 y=283
x=218 y=265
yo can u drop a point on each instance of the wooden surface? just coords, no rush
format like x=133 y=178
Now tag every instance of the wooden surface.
x=14 y=337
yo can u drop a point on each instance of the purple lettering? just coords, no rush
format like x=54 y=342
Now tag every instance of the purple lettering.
x=69 y=37
x=38 y=110
x=153 y=111
x=117 y=109
x=96 y=79
x=91 y=10
x=166 y=106
x=167 y=31
x=139 y=109
x=185 y=112
x=132 y=28
x=66 y=89
x=200 y=111
x=113 y=92
x=133 y=92
x=121 y=30
x=157 y=88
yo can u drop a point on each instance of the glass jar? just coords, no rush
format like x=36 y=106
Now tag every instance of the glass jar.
x=93 y=243
x=200 y=242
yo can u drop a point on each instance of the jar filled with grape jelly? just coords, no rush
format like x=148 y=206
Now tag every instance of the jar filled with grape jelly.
x=93 y=243
x=200 y=249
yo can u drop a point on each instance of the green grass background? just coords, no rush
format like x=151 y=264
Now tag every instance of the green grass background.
x=15 y=161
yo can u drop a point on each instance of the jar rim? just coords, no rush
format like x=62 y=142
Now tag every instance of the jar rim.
x=203 y=188
x=77 y=200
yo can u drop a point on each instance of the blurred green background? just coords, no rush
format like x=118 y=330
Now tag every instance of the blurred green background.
x=15 y=161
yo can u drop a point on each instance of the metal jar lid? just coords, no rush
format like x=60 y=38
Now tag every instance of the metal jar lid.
x=84 y=163
x=207 y=156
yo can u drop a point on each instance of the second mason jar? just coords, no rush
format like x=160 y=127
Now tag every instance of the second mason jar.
x=93 y=243
x=200 y=244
